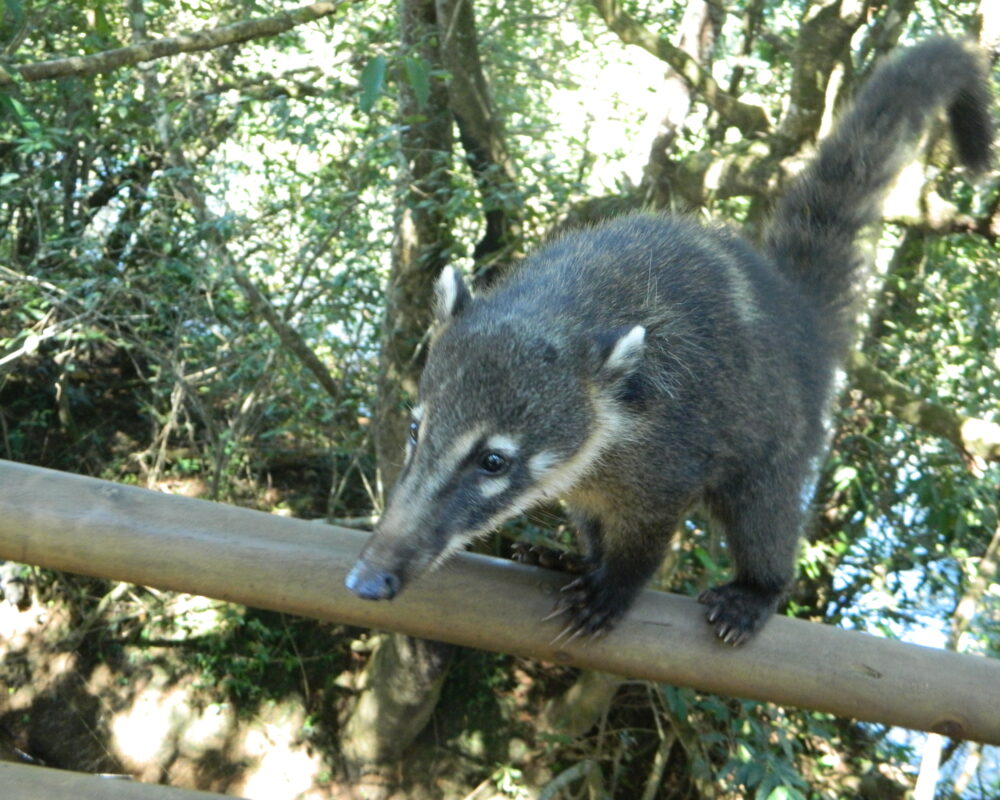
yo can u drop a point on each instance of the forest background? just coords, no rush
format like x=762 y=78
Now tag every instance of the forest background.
x=219 y=228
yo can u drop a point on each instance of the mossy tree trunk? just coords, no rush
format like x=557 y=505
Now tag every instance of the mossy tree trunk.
x=403 y=678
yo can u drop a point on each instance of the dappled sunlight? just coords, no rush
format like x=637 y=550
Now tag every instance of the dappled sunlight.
x=19 y=628
x=148 y=715
x=144 y=736
x=283 y=764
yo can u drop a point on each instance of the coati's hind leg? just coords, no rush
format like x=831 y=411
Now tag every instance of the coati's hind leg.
x=762 y=517
x=621 y=560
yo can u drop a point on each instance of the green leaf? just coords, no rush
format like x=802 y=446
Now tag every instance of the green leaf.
x=16 y=10
x=27 y=122
x=706 y=560
x=372 y=83
x=418 y=75
x=101 y=24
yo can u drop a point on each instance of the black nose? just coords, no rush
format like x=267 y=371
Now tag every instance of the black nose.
x=372 y=584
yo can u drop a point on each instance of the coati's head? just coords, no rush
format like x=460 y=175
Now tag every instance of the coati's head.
x=515 y=407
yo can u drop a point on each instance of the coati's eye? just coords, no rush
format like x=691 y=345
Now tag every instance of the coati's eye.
x=493 y=463
x=414 y=427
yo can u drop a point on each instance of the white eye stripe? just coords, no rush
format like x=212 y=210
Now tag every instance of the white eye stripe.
x=494 y=487
x=503 y=443
x=459 y=451
x=560 y=475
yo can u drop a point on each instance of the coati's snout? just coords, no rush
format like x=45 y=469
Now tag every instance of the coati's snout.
x=372 y=583
x=399 y=548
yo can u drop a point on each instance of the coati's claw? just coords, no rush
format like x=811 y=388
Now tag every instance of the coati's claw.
x=733 y=637
x=520 y=552
x=549 y=558
x=558 y=611
x=593 y=606
x=554 y=641
x=571 y=631
x=738 y=611
x=600 y=633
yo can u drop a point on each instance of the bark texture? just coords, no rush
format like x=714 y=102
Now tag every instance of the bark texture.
x=404 y=674
x=482 y=135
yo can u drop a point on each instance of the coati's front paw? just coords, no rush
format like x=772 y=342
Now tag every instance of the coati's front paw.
x=592 y=605
x=549 y=558
x=738 y=612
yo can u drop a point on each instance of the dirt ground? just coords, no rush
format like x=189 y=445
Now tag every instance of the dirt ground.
x=114 y=679
x=79 y=695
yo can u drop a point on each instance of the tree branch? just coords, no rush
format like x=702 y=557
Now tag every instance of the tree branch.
x=481 y=132
x=823 y=42
x=749 y=119
x=695 y=35
x=975 y=437
x=290 y=338
x=160 y=48
x=95 y=527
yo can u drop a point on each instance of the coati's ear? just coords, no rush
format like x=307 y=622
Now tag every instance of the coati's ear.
x=619 y=351
x=451 y=295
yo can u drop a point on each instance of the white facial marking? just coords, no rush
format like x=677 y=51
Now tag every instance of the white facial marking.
x=542 y=462
x=504 y=444
x=493 y=487
x=446 y=293
x=454 y=455
x=627 y=348
x=420 y=489
x=553 y=477
x=609 y=427
x=418 y=415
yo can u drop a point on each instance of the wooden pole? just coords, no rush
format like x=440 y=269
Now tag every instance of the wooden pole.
x=24 y=782
x=103 y=529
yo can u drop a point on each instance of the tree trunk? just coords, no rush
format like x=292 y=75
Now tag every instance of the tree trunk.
x=482 y=134
x=696 y=37
x=399 y=690
x=403 y=678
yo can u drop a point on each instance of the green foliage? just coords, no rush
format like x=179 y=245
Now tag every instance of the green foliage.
x=418 y=74
x=254 y=655
x=372 y=82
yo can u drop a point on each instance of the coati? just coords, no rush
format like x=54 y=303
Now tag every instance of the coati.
x=647 y=364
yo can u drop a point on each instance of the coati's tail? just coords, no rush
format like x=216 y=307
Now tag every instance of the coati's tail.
x=812 y=235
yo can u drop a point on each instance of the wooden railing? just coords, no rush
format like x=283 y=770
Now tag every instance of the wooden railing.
x=107 y=530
